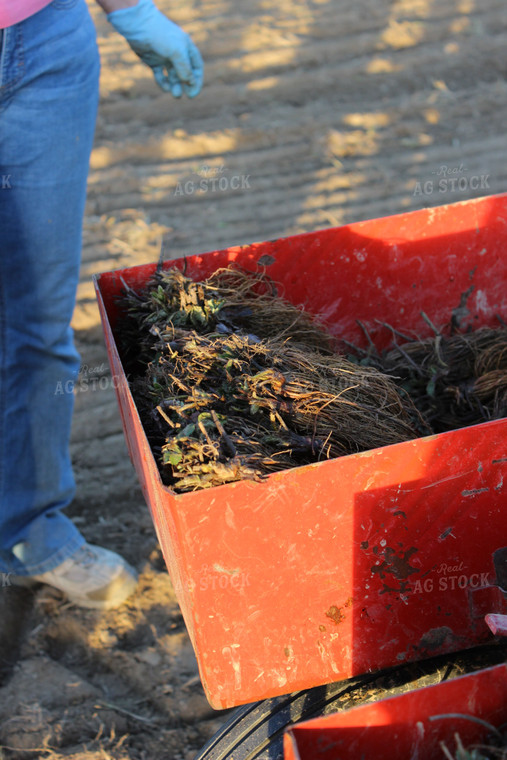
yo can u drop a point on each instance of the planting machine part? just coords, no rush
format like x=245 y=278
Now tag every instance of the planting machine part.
x=497 y=624
x=347 y=566
x=256 y=731
x=469 y=710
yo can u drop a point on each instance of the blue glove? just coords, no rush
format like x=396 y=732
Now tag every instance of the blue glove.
x=161 y=44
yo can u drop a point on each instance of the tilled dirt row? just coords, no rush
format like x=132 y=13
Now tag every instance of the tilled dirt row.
x=314 y=113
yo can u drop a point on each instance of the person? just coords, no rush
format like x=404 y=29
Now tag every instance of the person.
x=49 y=75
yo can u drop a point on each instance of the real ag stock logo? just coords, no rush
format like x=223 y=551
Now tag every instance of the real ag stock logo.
x=212 y=179
x=452 y=179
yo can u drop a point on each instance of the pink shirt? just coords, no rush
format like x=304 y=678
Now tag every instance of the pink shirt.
x=14 y=11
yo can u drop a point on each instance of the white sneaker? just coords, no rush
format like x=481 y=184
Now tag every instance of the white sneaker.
x=93 y=577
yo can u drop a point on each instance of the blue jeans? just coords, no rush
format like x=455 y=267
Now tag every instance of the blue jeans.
x=49 y=70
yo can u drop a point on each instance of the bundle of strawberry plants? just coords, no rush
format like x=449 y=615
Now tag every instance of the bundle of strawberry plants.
x=232 y=381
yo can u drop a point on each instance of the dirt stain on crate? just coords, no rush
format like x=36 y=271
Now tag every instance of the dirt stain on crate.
x=336 y=613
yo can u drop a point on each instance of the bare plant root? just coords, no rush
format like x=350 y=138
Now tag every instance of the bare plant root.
x=237 y=383
x=455 y=380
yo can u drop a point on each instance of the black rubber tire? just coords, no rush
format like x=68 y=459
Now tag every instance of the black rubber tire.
x=255 y=731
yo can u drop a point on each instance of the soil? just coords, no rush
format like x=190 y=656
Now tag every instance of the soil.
x=314 y=113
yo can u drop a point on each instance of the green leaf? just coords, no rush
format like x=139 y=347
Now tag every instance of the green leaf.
x=213 y=306
x=198 y=317
x=172 y=457
x=179 y=318
x=187 y=431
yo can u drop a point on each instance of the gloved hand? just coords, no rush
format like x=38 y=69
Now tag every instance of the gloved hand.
x=161 y=44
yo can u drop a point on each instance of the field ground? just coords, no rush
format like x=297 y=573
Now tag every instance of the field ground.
x=316 y=113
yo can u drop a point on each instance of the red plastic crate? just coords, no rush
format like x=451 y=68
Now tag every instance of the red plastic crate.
x=330 y=570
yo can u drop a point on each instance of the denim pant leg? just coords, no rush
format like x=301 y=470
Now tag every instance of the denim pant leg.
x=49 y=68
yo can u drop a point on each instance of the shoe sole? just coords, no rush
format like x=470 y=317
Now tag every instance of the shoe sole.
x=127 y=589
